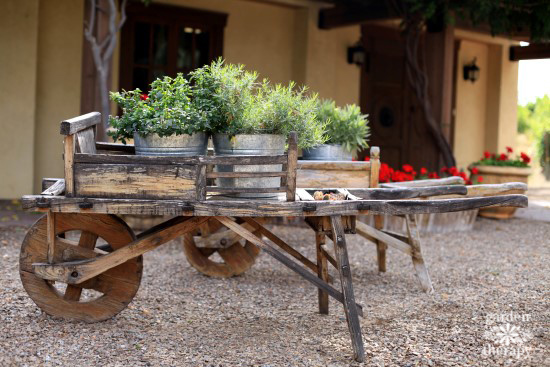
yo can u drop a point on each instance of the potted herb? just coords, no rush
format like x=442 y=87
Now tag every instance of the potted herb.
x=164 y=122
x=501 y=168
x=347 y=131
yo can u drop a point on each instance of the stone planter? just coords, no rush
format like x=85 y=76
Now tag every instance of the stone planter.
x=245 y=144
x=327 y=152
x=497 y=175
x=174 y=145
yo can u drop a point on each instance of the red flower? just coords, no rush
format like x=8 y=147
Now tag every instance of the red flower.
x=385 y=173
x=479 y=178
x=423 y=171
x=486 y=154
x=408 y=168
x=444 y=169
x=144 y=97
x=453 y=171
x=469 y=182
x=525 y=158
x=433 y=175
x=367 y=158
x=475 y=171
x=509 y=150
x=503 y=157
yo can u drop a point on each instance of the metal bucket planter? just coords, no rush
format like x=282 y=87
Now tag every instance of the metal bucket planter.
x=327 y=152
x=174 y=145
x=244 y=144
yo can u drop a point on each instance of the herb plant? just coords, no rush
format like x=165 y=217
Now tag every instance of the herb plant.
x=345 y=126
x=166 y=110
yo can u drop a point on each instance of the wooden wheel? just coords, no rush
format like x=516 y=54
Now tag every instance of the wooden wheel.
x=78 y=237
x=234 y=257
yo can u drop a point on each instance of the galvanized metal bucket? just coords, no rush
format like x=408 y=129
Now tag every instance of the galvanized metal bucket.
x=327 y=152
x=244 y=144
x=174 y=145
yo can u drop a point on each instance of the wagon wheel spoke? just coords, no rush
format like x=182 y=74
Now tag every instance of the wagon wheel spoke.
x=87 y=240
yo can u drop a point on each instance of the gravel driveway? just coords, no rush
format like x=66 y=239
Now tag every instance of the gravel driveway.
x=497 y=274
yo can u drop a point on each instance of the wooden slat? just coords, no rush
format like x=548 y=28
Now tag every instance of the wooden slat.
x=243 y=159
x=322 y=272
x=334 y=165
x=50 y=232
x=244 y=174
x=47 y=182
x=68 y=158
x=407 y=193
x=375 y=166
x=56 y=189
x=304 y=195
x=127 y=148
x=272 y=251
x=267 y=208
x=75 y=272
x=251 y=190
x=201 y=182
x=134 y=159
x=76 y=124
x=368 y=231
x=85 y=140
x=291 y=167
x=454 y=180
x=417 y=259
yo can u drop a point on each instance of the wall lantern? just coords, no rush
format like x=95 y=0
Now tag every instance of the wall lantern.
x=356 y=54
x=471 y=71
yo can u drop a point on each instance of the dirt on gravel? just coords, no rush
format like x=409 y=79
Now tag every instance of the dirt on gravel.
x=490 y=308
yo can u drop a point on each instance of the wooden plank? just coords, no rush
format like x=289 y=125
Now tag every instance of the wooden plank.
x=322 y=272
x=340 y=248
x=47 y=182
x=50 y=233
x=304 y=195
x=75 y=272
x=85 y=140
x=291 y=166
x=454 y=180
x=375 y=166
x=56 y=189
x=87 y=240
x=284 y=259
x=68 y=158
x=334 y=165
x=496 y=189
x=201 y=182
x=244 y=174
x=79 y=123
x=134 y=159
x=127 y=148
x=396 y=193
x=416 y=256
x=136 y=181
x=266 y=208
x=531 y=52
x=368 y=231
x=252 y=190
x=243 y=159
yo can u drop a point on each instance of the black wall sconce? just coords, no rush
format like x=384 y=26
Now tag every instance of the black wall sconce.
x=356 y=54
x=471 y=71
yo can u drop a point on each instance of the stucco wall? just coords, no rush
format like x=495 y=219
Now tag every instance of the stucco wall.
x=18 y=38
x=58 y=81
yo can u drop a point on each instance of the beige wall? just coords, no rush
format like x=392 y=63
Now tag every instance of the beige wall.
x=58 y=81
x=18 y=38
x=486 y=111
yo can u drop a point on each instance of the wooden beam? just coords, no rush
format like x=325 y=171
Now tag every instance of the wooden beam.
x=79 y=123
x=531 y=52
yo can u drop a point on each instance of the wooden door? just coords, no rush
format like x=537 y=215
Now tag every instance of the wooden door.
x=396 y=120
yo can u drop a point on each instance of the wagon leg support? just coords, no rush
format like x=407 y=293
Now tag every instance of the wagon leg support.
x=322 y=272
x=416 y=256
x=340 y=249
x=292 y=265
x=381 y=247
x=75 y=272
x=50 y=232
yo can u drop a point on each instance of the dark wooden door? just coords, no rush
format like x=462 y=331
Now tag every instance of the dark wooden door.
x=396 y=120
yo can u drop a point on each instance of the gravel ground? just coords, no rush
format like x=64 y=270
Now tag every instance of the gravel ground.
x=493 y=276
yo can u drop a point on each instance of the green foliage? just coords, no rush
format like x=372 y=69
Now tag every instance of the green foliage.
x=280 y=109
x=534 y=121
x=166 y=111
x=345 y=126
x=516 y=162
x=222 y=93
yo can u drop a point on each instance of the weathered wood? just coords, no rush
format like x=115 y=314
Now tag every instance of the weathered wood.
x=327 y=174
x=236 y=190
x=87 y=240
x=416 y=256
x=322 y=224
x=134 y=159
x=244 y=174
x=135 y=181
x=304 y=195
x=454 y=180
x=118 y=285
x=375 y=166
x=86 y=141
x=340 y=249
x=244 y=159
x=236 y=208
x=368 y=231
x=127 y=148
x=68 y=157
x=333 y=166
x=407 y=193
x=56 y=189
x=381 y=246
x=75 y=272
x=51 y=235
x=76 y=124
x=284 y=260
x=496 y=189
x=47 y=182
x=201 y=182
x=291 y=166
x=322 y=273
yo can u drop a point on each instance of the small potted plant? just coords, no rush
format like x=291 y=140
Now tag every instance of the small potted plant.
x=501 y=168
x=347 y=131
x=164 y=122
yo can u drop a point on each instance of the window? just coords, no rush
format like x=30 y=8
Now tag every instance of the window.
x=162 y=40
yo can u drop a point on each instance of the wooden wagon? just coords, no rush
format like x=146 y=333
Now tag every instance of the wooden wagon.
x=82 y=244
